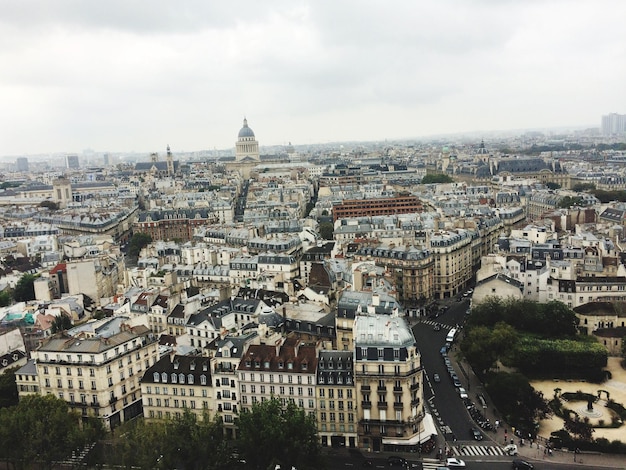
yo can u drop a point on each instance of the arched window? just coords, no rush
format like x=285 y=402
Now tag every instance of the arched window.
x=181 y=378
x=190 y=379
x=156 y=376
x=174 y=378
x=164 y=377
x=203 y=379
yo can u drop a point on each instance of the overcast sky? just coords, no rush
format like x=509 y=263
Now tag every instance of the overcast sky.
x=138 y=75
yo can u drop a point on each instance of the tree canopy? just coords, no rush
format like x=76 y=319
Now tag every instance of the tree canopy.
x=273 y=434
x=326 y=230
x=137 y=242
x=61 y=322
x=41 y=429
x=25 y=288
x=185 y=441
x=436 y=178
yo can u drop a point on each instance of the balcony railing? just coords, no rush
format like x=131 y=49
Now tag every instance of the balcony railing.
x=366 y=404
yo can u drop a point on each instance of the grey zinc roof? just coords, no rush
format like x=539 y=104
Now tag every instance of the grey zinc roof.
x=382 y=331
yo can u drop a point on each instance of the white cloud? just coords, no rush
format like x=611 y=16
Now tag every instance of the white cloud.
x=136 y=75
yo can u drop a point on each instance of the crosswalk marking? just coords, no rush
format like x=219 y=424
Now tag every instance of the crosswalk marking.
x=431 y=464
x=477 y=450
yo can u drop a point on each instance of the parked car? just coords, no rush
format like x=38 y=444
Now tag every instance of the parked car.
x=462 y=392
x=519 y=464
x=453 y=462
x=436 y=378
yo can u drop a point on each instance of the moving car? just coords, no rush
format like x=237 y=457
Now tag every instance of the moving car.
x=453 y=462
x=436 y=378
x=510 y=449
x=522 y=465
x=476 y=434
x=393 y=461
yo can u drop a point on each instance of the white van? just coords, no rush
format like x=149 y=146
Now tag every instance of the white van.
x=451 y=335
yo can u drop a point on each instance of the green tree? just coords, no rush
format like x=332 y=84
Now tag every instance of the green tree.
x=579 y=428
x=137 y=242
x=326 y=230
x=272 y=434
x=5 y=298
x=8 y=389
x=569 y=201
x=53 y=206
x=186 y=441
x=552 y=185
x=25 y=288
x=437 y=178
x=517 y=400
x=580 y=187
x=38 y=431
x=61 y=322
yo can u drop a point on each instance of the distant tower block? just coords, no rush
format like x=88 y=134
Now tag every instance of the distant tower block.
x=62 y=190
x=22 y=164
x=170 y=162
x=71 y=161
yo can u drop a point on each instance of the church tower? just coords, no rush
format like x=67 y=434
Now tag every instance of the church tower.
x=170 y=162
x=246 y=148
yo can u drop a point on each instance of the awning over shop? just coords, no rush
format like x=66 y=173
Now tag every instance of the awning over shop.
x=427 y=429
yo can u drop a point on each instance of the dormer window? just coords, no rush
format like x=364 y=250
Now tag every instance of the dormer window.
x=174 y=378
x=203 y=379
x=304 y=365
x=181 y=378
x=257 y=364
x=156 y=376
x=164 y=377
x=281 y=365
x=192 y=366
x=290 y=365
x=175 y=365
x=205 y=367
x=247 y=362
x=266 y=364
x=190 y=379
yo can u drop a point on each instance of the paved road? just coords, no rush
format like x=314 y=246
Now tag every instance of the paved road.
x=443 y=397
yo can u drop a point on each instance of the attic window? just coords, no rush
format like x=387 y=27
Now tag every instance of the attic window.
x=281 y=365
x=156 y=376
x=266 y=364
x=174 y=378
x=304 y=365
x=176 y=365
x=247 y=362
x=164 y=377
x=257 y=364
x=192 y=366
x=290 y=365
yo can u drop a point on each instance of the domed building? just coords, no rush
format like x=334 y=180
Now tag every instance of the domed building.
x=247 y=147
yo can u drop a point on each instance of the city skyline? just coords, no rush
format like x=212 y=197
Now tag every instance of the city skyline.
x=124 y=77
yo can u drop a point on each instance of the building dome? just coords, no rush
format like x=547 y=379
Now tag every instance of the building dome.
x=245 y=130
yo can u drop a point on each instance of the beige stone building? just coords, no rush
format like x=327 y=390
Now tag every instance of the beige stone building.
x=452 y=251
x=388 y=376
x=176 y=383
x=285 y=370
x=336 y=399
x=97 y=372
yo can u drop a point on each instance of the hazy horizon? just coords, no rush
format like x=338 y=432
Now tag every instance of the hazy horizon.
x=128 y=77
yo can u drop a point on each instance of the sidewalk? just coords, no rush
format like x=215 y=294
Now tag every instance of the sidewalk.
x=534 y=454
